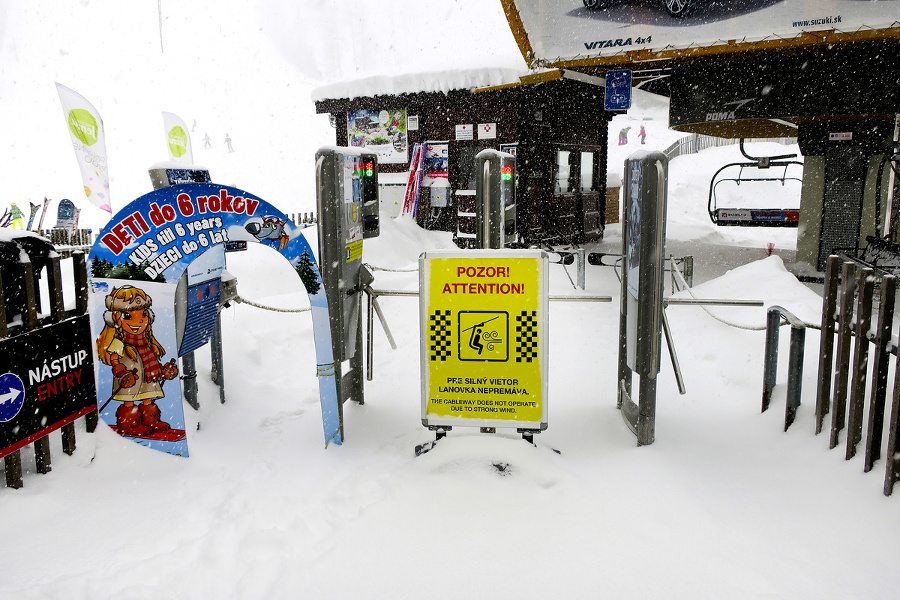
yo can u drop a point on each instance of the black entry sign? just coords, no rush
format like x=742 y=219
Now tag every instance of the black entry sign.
x=46 y=381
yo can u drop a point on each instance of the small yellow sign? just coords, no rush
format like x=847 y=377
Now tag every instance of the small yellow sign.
x=353 y=251
x=484 y=337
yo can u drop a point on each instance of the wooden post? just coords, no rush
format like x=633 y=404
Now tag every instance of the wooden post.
x=42 y=455
x=29 y=311
x=91 y=420
x=13 y=465
x=860 y=361
x=54 y=281
x=68 y=439
x=880 y=372
x=57 y=314
x=79 y=269
x=4 y=330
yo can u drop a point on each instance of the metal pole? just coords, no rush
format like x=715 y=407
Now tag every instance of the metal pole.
x=370 y=345
x=860 y=361
x=795 y=373
x=826 y=343
x=710 y=302
x=880 y=373
x=646 y=424
x=189 y=375
x=671 y=345
x=582 y=298
x=770 y=365
x=387 y=330
x=581 y=256
x=892 y=456
x=845 y=334
x=218 y=360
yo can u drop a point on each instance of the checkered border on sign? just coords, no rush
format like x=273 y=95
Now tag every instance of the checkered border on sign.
x=526 y=336
x=440 y=336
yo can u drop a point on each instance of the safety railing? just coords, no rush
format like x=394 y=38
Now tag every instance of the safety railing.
x=694 y=143
x=774 y=317
x=374 y=308
x=851 y=348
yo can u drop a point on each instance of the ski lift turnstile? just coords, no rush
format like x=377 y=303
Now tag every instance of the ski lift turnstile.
x=347 y=200
x=755 y=217
x=641 y=308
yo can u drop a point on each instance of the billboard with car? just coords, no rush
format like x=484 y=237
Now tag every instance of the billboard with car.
x=584 y=32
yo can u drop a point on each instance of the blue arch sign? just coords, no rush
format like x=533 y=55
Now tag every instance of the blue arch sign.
x=134 y=266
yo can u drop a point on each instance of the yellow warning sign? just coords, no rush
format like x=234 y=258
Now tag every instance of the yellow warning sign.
x=484 y=333
x=353 y=251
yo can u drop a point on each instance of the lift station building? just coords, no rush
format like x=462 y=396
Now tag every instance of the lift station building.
x=548 y=121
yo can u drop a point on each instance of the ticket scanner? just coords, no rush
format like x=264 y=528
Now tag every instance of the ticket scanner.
x=495 y=199
x=347 y=201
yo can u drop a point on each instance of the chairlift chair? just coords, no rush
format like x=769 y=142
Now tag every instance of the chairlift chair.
x=755 y=217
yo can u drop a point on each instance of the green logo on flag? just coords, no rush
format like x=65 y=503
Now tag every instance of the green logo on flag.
x=83 y=126
x=177 y=141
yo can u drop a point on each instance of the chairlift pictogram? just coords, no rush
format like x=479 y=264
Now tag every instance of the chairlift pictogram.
x=764 y=169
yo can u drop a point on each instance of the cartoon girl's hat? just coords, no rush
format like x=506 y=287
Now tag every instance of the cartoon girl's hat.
x=117 y=304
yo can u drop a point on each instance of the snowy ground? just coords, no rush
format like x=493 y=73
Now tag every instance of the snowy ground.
x=722 y=505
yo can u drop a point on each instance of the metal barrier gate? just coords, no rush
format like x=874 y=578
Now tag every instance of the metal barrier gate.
x=854 y=293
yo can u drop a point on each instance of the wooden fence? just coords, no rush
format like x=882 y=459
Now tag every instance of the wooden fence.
x=80 y=238
x=20 y=319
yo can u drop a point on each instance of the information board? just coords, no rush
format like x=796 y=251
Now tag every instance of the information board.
x=618 y=90
x=483 y=317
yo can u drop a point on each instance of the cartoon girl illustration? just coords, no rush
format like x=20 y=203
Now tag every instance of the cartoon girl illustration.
x=128 y=346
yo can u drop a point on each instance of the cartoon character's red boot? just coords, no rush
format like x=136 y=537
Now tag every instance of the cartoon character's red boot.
x=128 y=421
x=150 y=418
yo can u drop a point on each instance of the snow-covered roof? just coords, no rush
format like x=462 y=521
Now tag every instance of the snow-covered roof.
x=410 y=83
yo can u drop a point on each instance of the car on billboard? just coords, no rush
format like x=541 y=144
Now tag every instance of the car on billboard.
x=676 y=8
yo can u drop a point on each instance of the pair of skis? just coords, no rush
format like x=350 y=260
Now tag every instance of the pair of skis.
x=414 y=181
x=43 y=214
